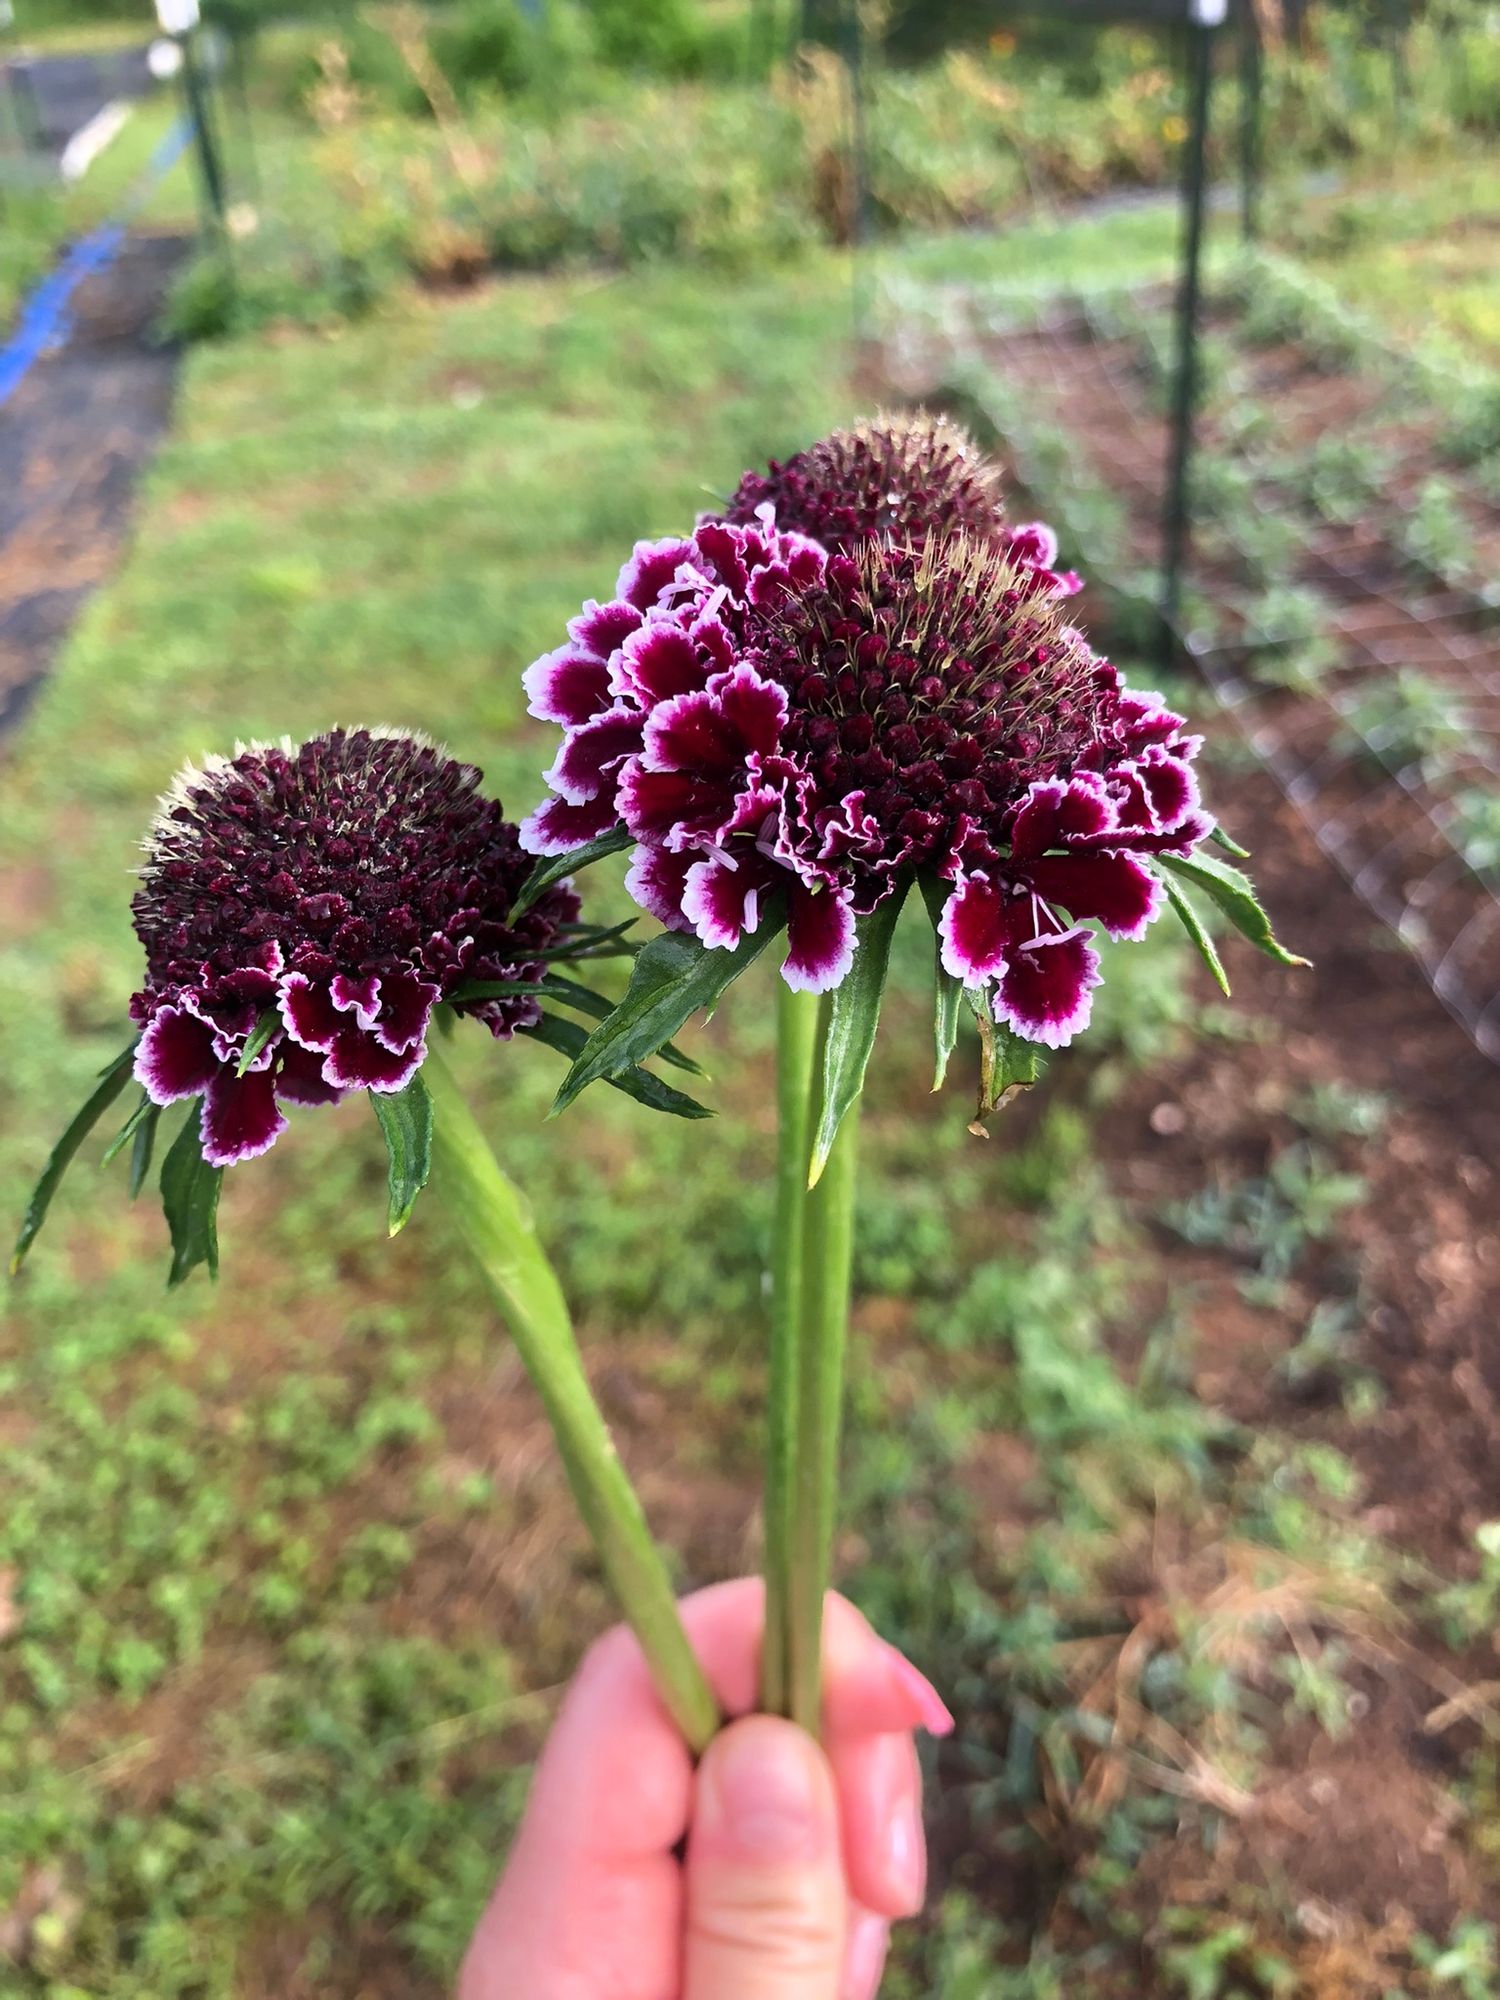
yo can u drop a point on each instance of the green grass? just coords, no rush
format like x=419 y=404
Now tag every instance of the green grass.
x=1419 y=249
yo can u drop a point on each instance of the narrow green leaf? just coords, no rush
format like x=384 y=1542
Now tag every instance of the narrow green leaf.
x=559 y=867
x=142 y=1149
x=948 y=991
x=260 y=1034
x=126 y=1132
x=1008 y=1063
x=406 y=1120
x=1234 y=893
x=112 y=1081
x=190 y=1201
x=567 y=993
x=569 y=1040
x=673 y=978
x=1230 y=846
x=1192 y=923
x=853 y=1014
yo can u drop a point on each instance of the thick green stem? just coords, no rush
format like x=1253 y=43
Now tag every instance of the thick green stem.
x=497 y=1226
x=796 y=1043
x=827 y=1257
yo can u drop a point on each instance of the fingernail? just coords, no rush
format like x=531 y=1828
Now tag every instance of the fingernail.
x=764 y=1795
x=906 y=1856
x=864 y=1956
x=929 y=1708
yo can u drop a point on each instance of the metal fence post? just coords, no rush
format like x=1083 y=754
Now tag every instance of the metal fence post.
x=179 y=19
x=1252 y=115
x=1204 y=18
x=859 y=165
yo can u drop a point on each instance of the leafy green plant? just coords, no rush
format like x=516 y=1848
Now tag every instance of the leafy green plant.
x=1466 y=1966
x=1474 y=827
x=1438 y=535
x=1411 y=721
x=1468 y=1609
x=1214 y=1959
x=1268 y=1221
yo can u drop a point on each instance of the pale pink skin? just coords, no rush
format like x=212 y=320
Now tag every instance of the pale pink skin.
x=595 y=1904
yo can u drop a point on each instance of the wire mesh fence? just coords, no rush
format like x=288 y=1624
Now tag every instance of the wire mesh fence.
x=1345 y=625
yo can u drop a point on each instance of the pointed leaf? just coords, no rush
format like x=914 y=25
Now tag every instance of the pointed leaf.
x=948 y=991
x=142 y=1148
x=569 y=1039
x=558 y=867
x=406 y=1120
x=853 y=1015
x=1008 y=1063
x=1234 y=893
x=673 y=978
x=567 y=993
x=126 y=1132
x=112 y=1081
x=190 y=1201
x=262 y=1032
x=1192 y=923
x=1230 y=846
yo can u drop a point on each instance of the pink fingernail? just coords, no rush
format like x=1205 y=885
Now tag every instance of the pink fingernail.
x=864 y=1956
x=931 y=1710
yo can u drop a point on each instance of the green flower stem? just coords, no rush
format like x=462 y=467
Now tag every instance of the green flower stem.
x=796 y=1044
x=827 y=1257
x=496 y=1223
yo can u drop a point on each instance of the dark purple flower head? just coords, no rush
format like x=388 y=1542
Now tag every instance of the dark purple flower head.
x=896 y=477
x=332 y=893
x=773 y=723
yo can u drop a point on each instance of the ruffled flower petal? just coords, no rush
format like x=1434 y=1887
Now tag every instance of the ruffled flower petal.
x=975 y=929
x=1045 y=991
x=308 y=1013
x=241 y=1118
x=820 y=934
x=570 y=686
x=1112 y=889
x=359 y=997
x=657 y=880
x=659 y=661
x=360 y=1061
x=672 y=808
x=406 y=1006
x=175 y=1057
x=601 y=628
x=557 y=827
x=588 y=764
x=1055 y=811
x=722 y=900
x=652 y=567
x=300 y=1078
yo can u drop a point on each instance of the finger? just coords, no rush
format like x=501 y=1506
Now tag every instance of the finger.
x=880 y=1798
x=867 y=1685
x=865 y=1949
x=591 y=1899
x=766 y=1904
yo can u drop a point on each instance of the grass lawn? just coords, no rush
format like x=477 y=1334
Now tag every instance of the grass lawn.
x=1418 y=248
x=287 y=1574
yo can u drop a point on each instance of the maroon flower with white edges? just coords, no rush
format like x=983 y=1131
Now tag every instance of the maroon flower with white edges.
x=776 y=725
x=316 y=902
x=895 y=478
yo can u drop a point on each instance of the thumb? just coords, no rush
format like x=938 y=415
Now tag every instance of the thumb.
x=766 y=1904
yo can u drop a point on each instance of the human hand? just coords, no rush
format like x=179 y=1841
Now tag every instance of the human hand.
x=796 y=1858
